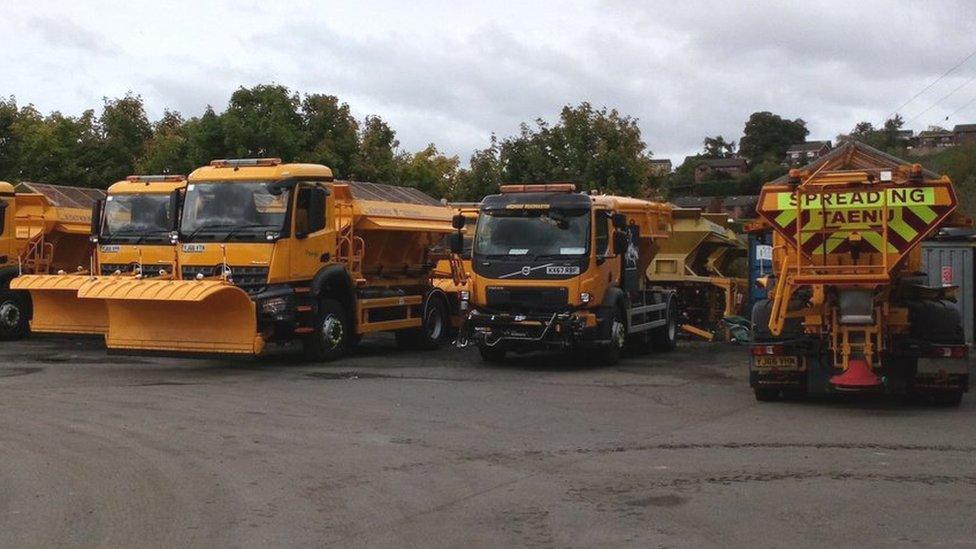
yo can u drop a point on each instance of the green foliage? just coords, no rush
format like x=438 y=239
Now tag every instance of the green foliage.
x=767 y=137
x=886 y=139
x=959 y=163
x=331 y=133
x=430 y=171
x=376 y=158
x=759 y=175
x=718 y=147
x=263 y=121
x=595 y=148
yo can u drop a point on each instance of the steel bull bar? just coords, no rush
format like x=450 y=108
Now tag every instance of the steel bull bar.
x=558 y=330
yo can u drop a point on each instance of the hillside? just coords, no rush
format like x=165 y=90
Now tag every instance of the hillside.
x=959 y=163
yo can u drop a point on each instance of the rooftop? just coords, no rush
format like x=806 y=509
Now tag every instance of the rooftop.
x=808 y=146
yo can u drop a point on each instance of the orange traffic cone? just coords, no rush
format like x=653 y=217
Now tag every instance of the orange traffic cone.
x=857 y=376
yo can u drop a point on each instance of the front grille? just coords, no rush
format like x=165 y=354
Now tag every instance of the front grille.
x=250 y=279
x=527 y=299
x=149 y=271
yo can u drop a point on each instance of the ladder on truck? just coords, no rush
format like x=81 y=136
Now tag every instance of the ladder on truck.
x=350 y=247
x=37 y=257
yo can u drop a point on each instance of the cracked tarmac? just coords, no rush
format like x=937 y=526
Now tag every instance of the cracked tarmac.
x=394 y=448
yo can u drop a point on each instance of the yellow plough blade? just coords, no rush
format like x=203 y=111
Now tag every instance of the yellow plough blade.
x=191 y=316
x=57 y=309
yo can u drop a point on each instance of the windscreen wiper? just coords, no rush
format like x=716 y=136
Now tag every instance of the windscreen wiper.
x=194 y=232
x=240 y=228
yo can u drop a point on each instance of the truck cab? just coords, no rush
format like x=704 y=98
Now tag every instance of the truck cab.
x=133 y=226
x=7 y=232
x=556 y=269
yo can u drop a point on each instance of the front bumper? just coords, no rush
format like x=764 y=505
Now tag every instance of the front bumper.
x=534 y=331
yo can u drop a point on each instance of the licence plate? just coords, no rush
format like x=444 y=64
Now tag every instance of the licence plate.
x=778 y=362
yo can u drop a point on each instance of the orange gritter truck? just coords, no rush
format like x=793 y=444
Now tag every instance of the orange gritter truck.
x=849 y=309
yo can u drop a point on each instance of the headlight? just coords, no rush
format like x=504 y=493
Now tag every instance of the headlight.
x=274 y=306
x=584 y=298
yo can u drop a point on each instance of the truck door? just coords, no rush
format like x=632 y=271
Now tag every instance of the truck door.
x=312 y=236
x=607 y=266
x=6 y=230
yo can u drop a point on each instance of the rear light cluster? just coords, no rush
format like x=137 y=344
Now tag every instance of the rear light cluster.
x=948 y=351
x=764 y=350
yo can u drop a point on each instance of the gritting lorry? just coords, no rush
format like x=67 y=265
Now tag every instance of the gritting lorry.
x=849 y=309
x=45 y=228
x=705 y=262
x=277 y=252
x=131 y=228
x=552 y=268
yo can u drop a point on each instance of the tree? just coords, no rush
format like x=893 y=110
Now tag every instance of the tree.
x=8 y=139
x=430 y=171
x=167 y=152
x=597 y=148
x=484 y=175
x=718 y=147
x=888 y=138
x=331 y=133
x=206 y=139
x=767 y=137
x=263 y=121
x=123 y=131
x=376 y=158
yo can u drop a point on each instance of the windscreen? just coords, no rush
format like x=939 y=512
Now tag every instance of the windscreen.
x=532 y=233
x=138 y=214
x=233 y=208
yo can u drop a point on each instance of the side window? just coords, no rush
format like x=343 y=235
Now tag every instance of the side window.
x=3 y=216
x=309 y=210
x=602 y=233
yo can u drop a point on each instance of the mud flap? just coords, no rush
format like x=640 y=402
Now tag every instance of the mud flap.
x=56 y=307
x=186 y=316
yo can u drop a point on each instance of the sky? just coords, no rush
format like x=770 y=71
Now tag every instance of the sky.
x=454 y=73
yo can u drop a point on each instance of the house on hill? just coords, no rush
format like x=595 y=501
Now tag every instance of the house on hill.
x=808 y=151
x=708 y=168
x=964 y=133
x=660 y=166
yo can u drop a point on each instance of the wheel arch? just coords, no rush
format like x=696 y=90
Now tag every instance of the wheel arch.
x=334 y=281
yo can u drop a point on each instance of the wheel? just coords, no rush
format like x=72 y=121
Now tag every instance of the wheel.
x=765 y=394
x=665 y=339
x=610 y=354
x=431 y=332
x=332 y=332
x=14 y=323
x=937 y=321
x=761 y=312
x=492 y=354
x=949 y=399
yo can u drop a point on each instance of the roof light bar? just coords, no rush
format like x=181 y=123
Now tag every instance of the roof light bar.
x=244 y=162
x=545 y=188
x=155 y=178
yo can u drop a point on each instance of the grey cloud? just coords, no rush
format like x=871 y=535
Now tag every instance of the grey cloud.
x=64 y=33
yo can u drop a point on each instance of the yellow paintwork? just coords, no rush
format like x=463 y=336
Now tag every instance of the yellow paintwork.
x=380 y=243
x=655 y=222
x=57 y=305
x=855 y=171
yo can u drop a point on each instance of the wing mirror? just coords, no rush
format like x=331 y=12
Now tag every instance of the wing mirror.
x=619 y=221
x=96 y=220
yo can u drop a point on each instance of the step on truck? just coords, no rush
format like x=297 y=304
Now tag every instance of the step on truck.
x=849 y=310
x=132 y=232
x=552 y=268
x=45 y=228
x=272 y=252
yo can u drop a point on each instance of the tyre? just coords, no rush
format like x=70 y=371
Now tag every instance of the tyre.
x=14 y=323
x=492 y=354
x=332 y=333
x=948 y=399
x=761 y=312
x=433 y=330
x=609 y=354
x=665 y=339
x=936 y=321
x=765 y=394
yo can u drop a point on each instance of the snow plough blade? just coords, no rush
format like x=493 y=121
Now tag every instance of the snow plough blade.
x=183 y=316
x=56 y=307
